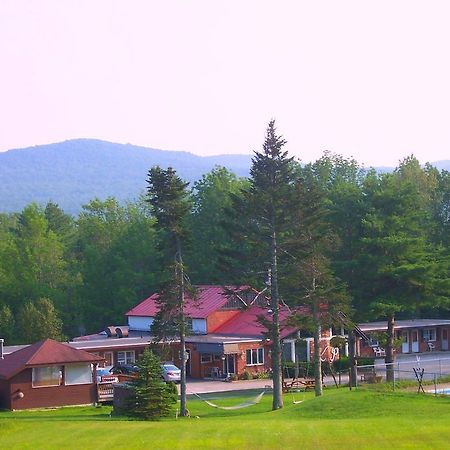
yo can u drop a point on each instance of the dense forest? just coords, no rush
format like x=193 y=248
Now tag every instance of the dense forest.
x=380 y=240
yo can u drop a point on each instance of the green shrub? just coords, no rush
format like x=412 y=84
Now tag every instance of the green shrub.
x=262 y=375
x=343 y=364
x=246 y=375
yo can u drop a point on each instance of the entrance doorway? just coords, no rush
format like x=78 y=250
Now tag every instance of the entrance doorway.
x=415 y=341
x=444 y=343
x=109 y=361
x=405 y=341
x=229 y=365
x=188 y=363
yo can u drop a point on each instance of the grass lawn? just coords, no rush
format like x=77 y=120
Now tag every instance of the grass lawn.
x=339 y=419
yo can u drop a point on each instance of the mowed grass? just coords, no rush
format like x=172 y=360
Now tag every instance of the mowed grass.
x=361 y=419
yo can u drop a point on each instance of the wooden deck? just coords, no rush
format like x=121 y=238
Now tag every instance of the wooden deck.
x=105 y=392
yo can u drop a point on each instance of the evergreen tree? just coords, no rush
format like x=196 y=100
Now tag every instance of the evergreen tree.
x=168 y=196
x=262 y=214
x=152 y=398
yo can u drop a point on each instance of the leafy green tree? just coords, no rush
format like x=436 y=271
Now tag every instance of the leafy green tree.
x=39 y=320
x=170 y=202
x=310 y=276
x=152 y=398
x=7 y=324
x=212 y=198
x=117 y=260
x=399 y=267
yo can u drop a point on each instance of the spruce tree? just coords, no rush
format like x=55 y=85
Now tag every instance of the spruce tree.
x=168 y=196
x=262 y=215
x=152 y=397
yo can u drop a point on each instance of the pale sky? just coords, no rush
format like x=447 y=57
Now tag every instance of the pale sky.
x=361 y=78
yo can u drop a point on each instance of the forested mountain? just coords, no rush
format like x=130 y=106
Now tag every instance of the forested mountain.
x=73 y=172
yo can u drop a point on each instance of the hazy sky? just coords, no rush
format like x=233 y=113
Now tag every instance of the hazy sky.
x=361 y=78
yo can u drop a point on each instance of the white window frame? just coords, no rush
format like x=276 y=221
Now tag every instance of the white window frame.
x=34 y=370
x=429 y=334
x=257 y=360
x=126 y=357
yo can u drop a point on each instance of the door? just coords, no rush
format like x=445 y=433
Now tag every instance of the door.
x=444 y=343
x=415 y=341
x=108 y=359
x=405 y=341
x=228 y=365
x=188 y=363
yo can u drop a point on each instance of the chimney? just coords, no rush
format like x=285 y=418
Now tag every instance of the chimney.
x=1 y=348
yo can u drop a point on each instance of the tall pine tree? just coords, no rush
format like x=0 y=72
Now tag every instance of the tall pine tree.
x=168 y=196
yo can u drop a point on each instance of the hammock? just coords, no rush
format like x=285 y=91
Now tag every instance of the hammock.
x=255 y=401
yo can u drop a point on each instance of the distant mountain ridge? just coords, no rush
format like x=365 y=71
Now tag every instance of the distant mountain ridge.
x=73 y=172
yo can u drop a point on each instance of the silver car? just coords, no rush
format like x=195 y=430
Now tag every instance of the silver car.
x=171 y=372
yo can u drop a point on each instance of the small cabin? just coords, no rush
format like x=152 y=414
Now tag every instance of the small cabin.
x=47 y=374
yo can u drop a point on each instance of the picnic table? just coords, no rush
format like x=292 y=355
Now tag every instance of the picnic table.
x=296 y=384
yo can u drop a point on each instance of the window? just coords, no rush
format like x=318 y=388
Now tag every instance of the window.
x=205 y=357
x=78 y=374
x=255 y=356
x=125 y=357
x=47 y=376
x=429 y=334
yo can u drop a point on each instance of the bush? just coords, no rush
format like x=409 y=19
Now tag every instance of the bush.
x=262 y=376
x=246 y=375
x=343 y=364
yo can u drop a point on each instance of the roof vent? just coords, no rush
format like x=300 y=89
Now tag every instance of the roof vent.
x=122 y=332
x=111 y=331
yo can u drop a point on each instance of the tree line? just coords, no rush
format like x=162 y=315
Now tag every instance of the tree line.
x=378 y=242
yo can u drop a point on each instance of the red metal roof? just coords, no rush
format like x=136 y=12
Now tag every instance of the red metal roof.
x=47 y=352
x=209 y=299
x=246 y=323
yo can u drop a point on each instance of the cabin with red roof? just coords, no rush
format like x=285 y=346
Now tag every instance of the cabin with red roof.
x=47 y=374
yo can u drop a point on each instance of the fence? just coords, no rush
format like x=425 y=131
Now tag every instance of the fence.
x=429 y=373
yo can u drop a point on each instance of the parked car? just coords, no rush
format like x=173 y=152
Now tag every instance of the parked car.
x=171 y=372
x=124 y=369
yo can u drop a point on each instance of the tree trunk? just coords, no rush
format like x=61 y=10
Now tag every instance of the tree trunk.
x=277 y=402
x=390 y=355
x=183 y=408
x=317 y=336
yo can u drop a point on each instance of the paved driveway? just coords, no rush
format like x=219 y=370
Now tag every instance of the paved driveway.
x=207 y=386
x=432 y=362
